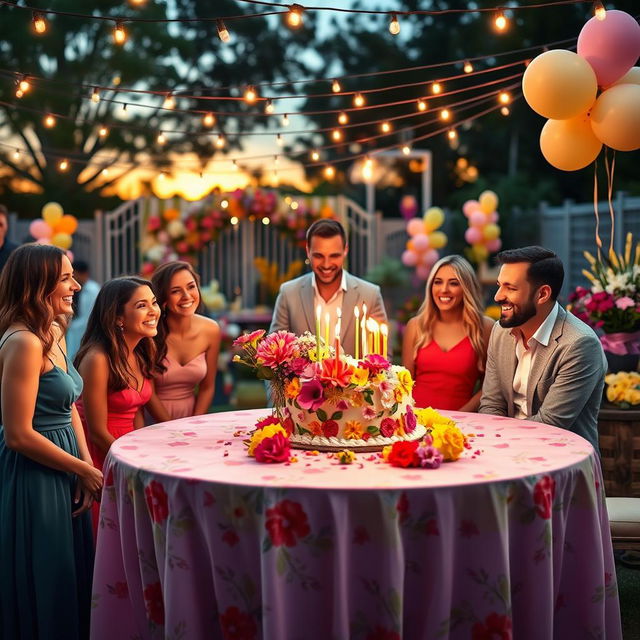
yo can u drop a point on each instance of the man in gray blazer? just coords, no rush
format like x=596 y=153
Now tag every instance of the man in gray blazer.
x=543 y=364
x=328 y=287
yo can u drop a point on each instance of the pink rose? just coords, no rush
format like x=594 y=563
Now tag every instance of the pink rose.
x=273 y=449
x=625 y=303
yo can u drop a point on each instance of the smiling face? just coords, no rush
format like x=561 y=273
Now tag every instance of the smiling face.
x=140 y=314
x=515 y=295
x=183 y=296
x=446 y=289
x=326 y=257
x=62 y=296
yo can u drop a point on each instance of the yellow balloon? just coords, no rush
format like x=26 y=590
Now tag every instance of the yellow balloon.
x=631 y=77
x=433 y=218
x=62 y=240
x=569 y=145
x=559 y=84
x=437 y=240
x=52 y=213
x=66 y=224
x=491 y=231
x=488 y=201
x=615 y=117
x=480 y=251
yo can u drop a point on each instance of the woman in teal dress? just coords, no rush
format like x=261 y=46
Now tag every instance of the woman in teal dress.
x=47 y=479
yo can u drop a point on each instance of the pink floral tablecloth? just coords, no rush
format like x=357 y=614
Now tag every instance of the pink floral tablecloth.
x=197 y=540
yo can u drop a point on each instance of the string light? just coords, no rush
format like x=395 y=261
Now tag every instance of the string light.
x=468 y=67
x=220 y=142
x=367 y=169
x=385 y=127
x=63 y=165
x=314 y=155
x=105 y=172
x=452 y=134
x=95 y=96
x=422 y=105
x=335 y=86
x=16 y=154
x=500 y=22
x=208 y=120
x=138 y=3
x=269 y=108
x=505 y=111
x=445 y=114
x=169 y=102
x=285 y=120
x=250 y=95
x=280 y=140
x=406 y=149
x=234 y=220
x=343 y=118
x=39 y=22
x=294 y=17
x=336 y=134
x=436 y=88
x=599 y=11
x=358 y=100
x=119 y=33
x=49 y=121
x=504 y=97
x=19 y=92
x=266 y=220
x=24 y=84
x=161 y=139
x=223 y=33
x=329 y=172
x=103 y=131
x=394 y=25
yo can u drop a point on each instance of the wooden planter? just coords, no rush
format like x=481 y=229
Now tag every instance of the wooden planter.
x=619 y=433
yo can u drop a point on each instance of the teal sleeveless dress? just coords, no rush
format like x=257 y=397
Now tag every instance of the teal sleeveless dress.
x=46 y=556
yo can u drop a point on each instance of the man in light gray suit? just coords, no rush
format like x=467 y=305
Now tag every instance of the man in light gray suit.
x=543 y=364
x=328 y=288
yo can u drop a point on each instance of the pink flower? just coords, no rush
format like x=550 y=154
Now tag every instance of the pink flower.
x=276 y=348
x=311 y=395
x=429 y=457
x=273 y=449
x=261 y=424
x=246 y=338
x=388 y=427
x=342 y=405
x=298 y=366
x=410 y=421
x=376 y=363
x=286 y=522
x=369 y=413
x=543 y=494
x=625 y=303
x=336 y=372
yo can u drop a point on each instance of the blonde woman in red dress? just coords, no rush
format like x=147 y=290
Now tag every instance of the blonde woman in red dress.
x=445 y=344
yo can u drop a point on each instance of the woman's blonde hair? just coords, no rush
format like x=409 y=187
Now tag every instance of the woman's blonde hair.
x=472 y=308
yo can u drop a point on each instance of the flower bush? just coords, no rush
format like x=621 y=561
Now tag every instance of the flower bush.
x=612 y=303
x=623 y=388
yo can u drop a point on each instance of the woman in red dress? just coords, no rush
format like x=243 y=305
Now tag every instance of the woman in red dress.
x=115 y=361
x=445 y=344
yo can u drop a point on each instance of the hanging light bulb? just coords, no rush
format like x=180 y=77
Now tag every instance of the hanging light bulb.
x=220 y=142
x=343 y=118
x=24 y=84
x=294 y=17
x=119 y=33
x=504 y=97
x=501 y=22
x=406 y=149
x=63 y=165
x=105 y=172
x=161 y=139
x=335 y=86
x=505 y=111
x=95 y=95
x=436 y=88
x=452 y=134
x=329 y=172
x=445 y=114
x=358 y=100
x=103 y=131
x=138 y=3
x=367 y=169
x=394 y=25
x=208 y=120
x=336 y=135
x=49 y=121
x=599 y=11
x=422 y=105
x=385 y=127
x=280 y=140
x=169 y=102
x=39 y=22
x=468 y=67
x=16 y=154
x=315 y=155
x=19 y=92
x=285 y=120
x=250 y=95
x=223 y=33
x=269 y=108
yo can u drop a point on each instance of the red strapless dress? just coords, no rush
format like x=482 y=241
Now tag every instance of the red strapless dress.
x=122 y=407
x=445 y=379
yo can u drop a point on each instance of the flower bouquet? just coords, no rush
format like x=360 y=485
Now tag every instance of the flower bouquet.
x=623 y=389
x=612 y=303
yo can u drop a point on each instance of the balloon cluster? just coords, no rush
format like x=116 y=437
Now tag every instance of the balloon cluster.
x=563 y=86
x=483 y=233
x=55 y=227
x=424 y=241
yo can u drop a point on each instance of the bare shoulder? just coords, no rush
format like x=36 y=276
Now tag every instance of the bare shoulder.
x=18 y=340
x=95 y=357
x=207 y=326
x=411 y=328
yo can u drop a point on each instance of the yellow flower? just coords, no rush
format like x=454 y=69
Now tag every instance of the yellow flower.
x=427 y=417
x=405 y=381
x=399 y=395
x=292 y=388
x=346 y=456
x=633 y=396
x=385 y=452
x=355 y=399
x=353 y=430
x=267 y=432
x=449 y=439
x=333 y=395
x=360 y=377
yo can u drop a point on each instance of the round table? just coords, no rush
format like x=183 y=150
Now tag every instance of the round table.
x=197 y=540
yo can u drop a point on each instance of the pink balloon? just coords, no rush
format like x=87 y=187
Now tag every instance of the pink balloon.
x=69 y=255
x=494 y=245
x=494 y=216
x=470 y=206
x=415 y=226
x=409 y=258
x=423 y=271
x=40 y=229
x=473 y=235
x=408 y=207
x=430 y=257
x=611 y=46
x=477 y=219
x=420 y=242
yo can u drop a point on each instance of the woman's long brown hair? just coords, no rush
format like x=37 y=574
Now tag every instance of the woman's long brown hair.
x=103 y=333
x=27 y=281
x=161 y=282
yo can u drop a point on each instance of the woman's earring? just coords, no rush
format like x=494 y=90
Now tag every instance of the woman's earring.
x=121 y=327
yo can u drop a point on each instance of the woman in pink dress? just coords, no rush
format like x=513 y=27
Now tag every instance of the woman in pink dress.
x=188 y=345
x=445 y=344
x=116 y=362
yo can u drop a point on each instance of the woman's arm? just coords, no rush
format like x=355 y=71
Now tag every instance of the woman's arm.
x=408 y=343
x=22 y=363
x=474 y=402
x=94 y=370
x=138 y=419
x=206 y=388
x=156 y=408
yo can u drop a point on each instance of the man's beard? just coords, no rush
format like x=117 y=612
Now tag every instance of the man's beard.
x=517 y=319
x=335 y=275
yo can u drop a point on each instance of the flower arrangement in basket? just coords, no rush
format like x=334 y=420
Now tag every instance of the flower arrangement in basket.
x=623 y=388
x=612 y=303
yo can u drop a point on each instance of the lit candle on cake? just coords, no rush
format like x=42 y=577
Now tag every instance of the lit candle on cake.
x=384 y=330
x=318 y=317
x=363 y=327
x=356 y=313
x=327 y=319
x=337 y=340
x=372 y=330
